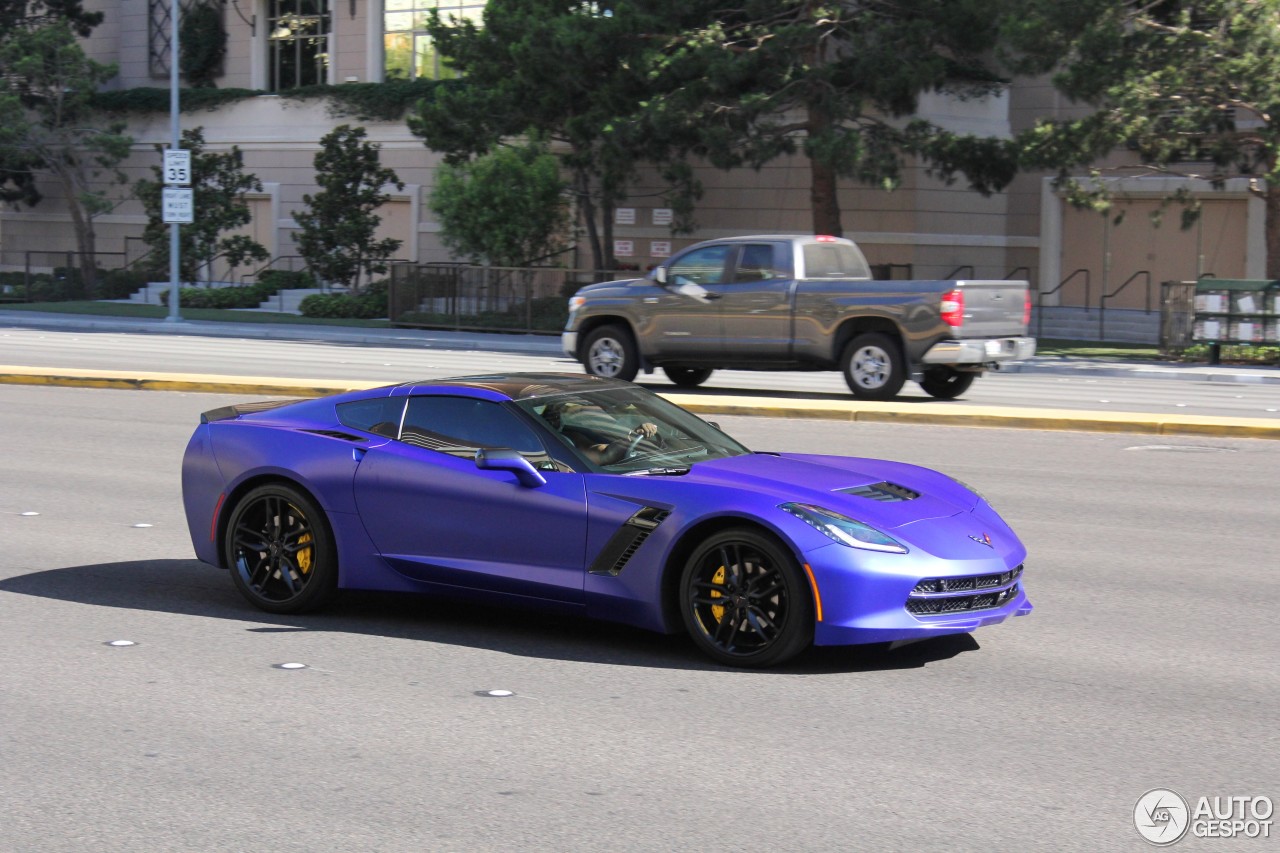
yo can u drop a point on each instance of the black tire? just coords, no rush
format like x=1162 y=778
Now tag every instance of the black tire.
x=280 y=550
x=946 y=383
x=873 y=367
x=609 y=352
x=767 y=617
x=687 y=377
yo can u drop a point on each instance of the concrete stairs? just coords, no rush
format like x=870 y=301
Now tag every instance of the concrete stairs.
x=1122 y=325
x=284 y=302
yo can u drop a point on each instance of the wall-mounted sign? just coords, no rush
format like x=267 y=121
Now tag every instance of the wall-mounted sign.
x=662 y=216
x=624 y=248
x=660 y=249
x=624 y=216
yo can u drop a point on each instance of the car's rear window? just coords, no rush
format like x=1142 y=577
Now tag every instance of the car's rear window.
x=834 y=260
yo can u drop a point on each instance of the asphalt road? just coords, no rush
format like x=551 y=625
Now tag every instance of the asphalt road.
x=1148 y=662
x=1082 y=391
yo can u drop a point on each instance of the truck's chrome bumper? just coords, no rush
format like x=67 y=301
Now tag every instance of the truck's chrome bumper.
x=980 y=351
x=569 y=343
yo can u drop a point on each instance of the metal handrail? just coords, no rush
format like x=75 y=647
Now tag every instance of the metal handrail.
x=1040 y=295
x=1102 y=302
x=1017 y=270
x=268 y=266
x=958 y=270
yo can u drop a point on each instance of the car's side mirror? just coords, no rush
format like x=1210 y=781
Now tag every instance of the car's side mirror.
x=503 y=459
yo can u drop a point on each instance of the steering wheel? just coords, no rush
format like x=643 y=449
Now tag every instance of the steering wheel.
x=634 y=443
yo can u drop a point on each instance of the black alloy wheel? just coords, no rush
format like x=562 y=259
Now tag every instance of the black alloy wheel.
x=687 y=377
x=609 y=352
x=745 y=601
x=946 y=383
x=280 y=550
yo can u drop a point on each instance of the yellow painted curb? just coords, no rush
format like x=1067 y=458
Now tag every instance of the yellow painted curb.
x=707 y=404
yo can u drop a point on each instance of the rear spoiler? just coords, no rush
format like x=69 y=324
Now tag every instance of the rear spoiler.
x=228 y=413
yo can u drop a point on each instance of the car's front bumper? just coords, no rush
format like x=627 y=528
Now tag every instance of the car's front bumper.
x=569 y=343
x=870 y=598
x=977 y=351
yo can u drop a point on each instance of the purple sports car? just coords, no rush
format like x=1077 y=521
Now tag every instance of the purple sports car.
x=596 y=497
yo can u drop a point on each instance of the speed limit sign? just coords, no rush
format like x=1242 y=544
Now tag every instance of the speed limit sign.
x=177 y=167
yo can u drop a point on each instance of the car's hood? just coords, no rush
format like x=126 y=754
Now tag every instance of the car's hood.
x=889 y=494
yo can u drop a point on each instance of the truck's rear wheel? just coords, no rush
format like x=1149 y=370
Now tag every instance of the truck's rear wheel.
x=946 y=383
x=687 y=377
x=873 y=366
x=609 y=352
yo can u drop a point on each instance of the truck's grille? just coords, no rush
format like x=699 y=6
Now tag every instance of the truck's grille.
x=934 y=596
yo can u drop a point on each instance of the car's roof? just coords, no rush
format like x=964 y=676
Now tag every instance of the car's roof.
x=519 y=386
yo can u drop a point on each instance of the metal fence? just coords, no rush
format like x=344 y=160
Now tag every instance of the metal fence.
x=37 y=276
x=507 y=299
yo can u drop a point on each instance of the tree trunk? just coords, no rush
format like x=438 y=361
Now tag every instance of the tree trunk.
x=1272 y=201
x=587 y=213
x=823 y=199
x=86 y=240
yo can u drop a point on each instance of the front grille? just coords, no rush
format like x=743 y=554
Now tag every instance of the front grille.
x=937 y=596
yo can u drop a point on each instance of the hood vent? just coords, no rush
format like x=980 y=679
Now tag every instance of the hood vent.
x=883 y=492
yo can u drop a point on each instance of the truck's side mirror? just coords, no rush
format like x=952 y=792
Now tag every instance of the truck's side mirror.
x=503 y=459
x=660 y=275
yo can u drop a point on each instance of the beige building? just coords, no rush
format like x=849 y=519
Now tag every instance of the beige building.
x=938 y=230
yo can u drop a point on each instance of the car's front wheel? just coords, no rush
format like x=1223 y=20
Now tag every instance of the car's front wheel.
x=745 y=601
x=610 y=352
x=280 y=550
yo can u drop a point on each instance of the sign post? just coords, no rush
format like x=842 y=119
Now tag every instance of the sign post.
x=177 y=170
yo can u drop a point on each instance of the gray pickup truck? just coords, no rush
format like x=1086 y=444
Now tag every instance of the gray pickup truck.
x=797 y=303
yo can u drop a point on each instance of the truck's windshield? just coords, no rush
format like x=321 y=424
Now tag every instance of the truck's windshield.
x=834 y=260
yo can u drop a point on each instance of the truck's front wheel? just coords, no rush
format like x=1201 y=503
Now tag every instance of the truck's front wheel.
x=609 y=352
x=873 y=366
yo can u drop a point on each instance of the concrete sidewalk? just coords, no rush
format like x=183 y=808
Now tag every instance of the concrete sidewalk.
x=549 y=345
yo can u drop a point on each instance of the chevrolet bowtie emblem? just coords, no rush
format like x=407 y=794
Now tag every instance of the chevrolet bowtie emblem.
x=984 y=539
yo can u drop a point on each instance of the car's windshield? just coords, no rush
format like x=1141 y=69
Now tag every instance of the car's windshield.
x=629 y=430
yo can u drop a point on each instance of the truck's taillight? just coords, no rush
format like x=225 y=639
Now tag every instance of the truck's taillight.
x=1026 y=308
x=953 y=307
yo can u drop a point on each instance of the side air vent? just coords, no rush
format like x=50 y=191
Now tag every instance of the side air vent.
x=884 y=492
x=333 y=433
x=623 y=545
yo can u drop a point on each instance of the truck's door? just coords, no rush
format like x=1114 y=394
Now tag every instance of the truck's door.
x=682 y=318
x=755 y=302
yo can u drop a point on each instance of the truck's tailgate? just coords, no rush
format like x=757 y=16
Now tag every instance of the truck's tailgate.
x=992 y=308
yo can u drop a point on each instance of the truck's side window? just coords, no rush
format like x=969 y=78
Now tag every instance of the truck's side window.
x=702 y=266
x=755 y=264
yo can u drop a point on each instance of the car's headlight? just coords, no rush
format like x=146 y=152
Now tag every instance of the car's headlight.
x=845 y=530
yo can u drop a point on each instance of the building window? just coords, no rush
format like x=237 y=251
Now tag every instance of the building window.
x=298 y=35
x=408 y=49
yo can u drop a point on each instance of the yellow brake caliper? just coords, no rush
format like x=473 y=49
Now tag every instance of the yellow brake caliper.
x=718 y=578
x=304 y=554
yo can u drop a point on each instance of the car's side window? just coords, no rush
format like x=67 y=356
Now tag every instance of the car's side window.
x=703 y=266
x=461 y=425
x=756 y=263
x=381 y=415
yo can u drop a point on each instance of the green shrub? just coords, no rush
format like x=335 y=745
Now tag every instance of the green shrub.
x=369 y=304
x=245 y=296
x=286 y=279
x=121 y=284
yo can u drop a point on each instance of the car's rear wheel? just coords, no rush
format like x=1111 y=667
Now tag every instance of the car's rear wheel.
x=744 y=600
x=687 y=377
x=946 y=383
x=609 y=352
x=873 y=367
x=280 y=550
